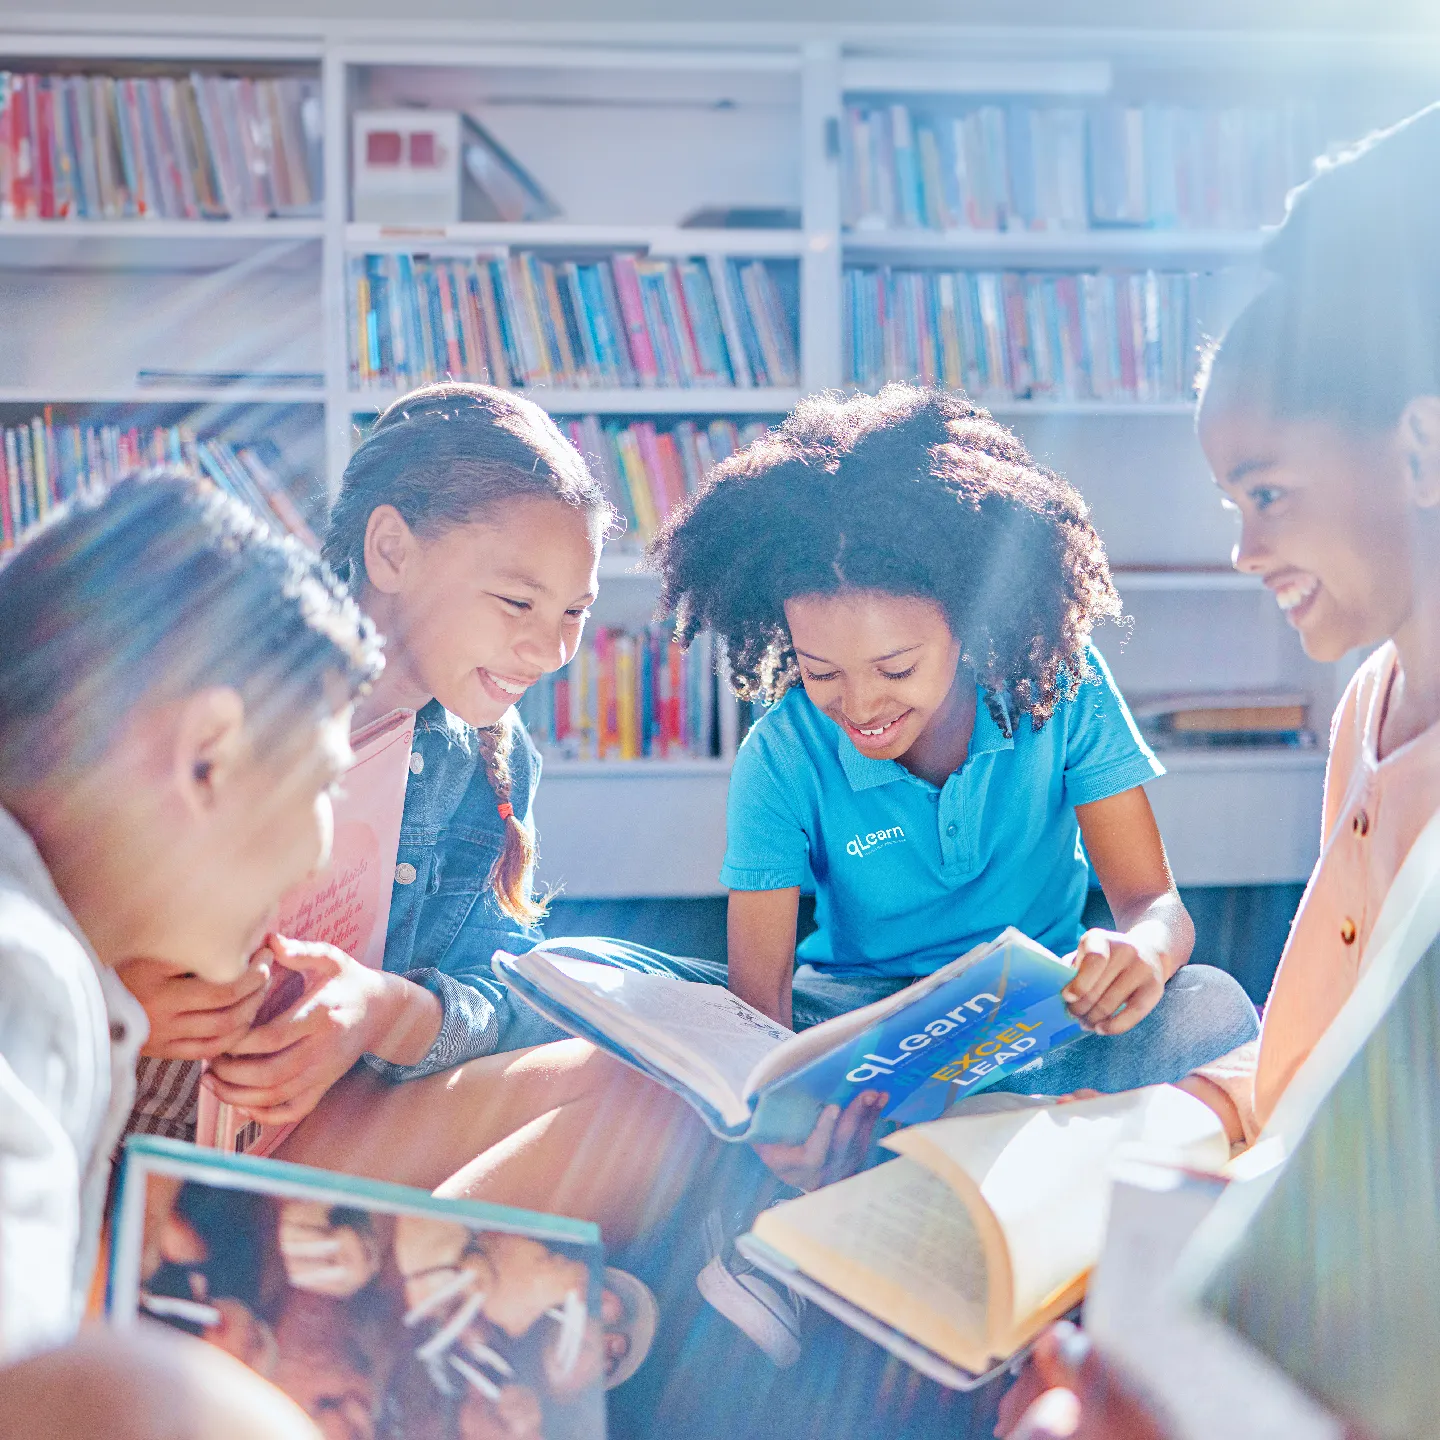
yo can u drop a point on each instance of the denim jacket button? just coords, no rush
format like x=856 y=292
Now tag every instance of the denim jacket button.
x=404 y=873
x=417 y=762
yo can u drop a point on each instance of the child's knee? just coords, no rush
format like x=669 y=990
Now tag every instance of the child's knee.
x=1214 y=1001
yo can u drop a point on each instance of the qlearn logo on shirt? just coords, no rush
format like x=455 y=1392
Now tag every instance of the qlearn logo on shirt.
x=862 y=845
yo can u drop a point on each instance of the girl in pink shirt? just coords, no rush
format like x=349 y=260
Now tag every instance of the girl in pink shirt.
x=1320 y=418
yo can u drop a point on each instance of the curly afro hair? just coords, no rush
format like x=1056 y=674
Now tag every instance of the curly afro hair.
x=914 y=492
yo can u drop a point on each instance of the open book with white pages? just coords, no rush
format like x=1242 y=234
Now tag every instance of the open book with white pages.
x=950 y=1034
x=957 y=1254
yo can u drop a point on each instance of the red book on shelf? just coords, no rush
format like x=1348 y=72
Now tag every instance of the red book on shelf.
x=632 y=312
x=7 y=515
x=24 y=183
x=450 y=315
x=607 y=715
x=45 y=146
x=561 y=700
x=678 y=689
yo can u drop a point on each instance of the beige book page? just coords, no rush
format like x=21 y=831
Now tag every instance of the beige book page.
x=897 y=1242
x=1039 y=1182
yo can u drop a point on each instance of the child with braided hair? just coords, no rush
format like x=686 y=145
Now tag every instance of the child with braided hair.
x=470 y=530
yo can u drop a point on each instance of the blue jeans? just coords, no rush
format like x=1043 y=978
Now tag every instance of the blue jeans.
x=1202 y=1015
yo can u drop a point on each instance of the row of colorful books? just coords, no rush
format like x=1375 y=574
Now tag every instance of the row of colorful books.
x=620 y=321
x=647 y=470
x=196 y=147
x=1029 y=167
x=42 y=465
x=631 y=695
x=1016 y=335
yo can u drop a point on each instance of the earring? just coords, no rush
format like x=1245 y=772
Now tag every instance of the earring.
x=203 y=769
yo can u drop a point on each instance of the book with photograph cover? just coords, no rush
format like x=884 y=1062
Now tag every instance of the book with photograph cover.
x=380 y=1310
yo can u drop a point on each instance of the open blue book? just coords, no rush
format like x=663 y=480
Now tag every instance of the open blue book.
x=948 y=1035
x=375 y=1307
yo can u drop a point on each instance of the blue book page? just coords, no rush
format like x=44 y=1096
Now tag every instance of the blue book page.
x=996 y=1015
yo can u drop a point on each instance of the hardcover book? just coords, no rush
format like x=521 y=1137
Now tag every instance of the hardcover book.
x=957 y=1254
x=347 y=904
x=948 y=1035
x=380 y=1310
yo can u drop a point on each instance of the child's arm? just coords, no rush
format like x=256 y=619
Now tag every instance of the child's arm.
x=1154 y=935
x=761 y=948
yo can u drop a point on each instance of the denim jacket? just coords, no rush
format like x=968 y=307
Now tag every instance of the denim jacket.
x=445 y=923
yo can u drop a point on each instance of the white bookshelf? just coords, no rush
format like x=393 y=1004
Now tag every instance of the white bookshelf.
x=632 y=128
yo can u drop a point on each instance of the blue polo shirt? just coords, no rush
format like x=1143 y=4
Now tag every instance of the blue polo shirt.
x=908 y=876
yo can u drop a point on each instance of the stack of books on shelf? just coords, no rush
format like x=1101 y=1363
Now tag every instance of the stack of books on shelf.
x=1016 y=335
x=631 y=695
x=42 y=465
x=1057 y=167
x=617 y=322
x=1268 y=719
x=648 y=471
x=196 y=147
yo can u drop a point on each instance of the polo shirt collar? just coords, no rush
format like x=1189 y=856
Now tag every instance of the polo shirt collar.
x=865 y=772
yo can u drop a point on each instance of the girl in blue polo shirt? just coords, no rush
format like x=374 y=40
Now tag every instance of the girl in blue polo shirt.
x=913 y=597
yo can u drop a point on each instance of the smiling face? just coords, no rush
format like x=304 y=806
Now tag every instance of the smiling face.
x=881 y=666
x=477 y=613
x=1325 y=519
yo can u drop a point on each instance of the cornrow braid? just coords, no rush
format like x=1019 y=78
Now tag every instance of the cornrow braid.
x=511 y=875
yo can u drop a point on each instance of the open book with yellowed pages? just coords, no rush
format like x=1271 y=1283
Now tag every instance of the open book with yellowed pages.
x=986 y=1227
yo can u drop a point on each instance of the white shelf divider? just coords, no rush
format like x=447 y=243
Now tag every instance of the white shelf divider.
x=1010 y=248
x=657 y=239
x=756 y=401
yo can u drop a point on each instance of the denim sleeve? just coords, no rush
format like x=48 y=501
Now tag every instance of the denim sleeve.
x=1105 y=753
x=456 y=926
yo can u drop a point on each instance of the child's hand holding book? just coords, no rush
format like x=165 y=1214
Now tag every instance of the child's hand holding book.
x=1119 y=981
x=279 y=1071
x=836 y=1147
x=191 y=1018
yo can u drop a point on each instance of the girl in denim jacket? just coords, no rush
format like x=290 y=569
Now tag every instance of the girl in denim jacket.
x=470 y=530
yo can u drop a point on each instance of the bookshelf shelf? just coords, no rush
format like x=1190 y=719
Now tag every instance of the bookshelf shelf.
x=637 y=769
x=1056 y=247
x=657 y=239
x=1094 y=409
x=219 y=395
x=1241 y=760
x=1183 y=580
x=626 y=402
x=163 y=231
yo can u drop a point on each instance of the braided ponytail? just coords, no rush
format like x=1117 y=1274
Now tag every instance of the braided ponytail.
x=446 y=455
x=511 y=873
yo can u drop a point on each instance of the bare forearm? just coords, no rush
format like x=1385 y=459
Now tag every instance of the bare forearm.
x=1158 y=925
x=767 y=989
x=405 y=1019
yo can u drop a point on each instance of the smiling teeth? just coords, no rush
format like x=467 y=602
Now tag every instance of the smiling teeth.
x=506 y=686
x=1291 y=597
x=880 y=731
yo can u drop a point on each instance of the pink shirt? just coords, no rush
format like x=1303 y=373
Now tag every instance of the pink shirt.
x=1374 y=809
